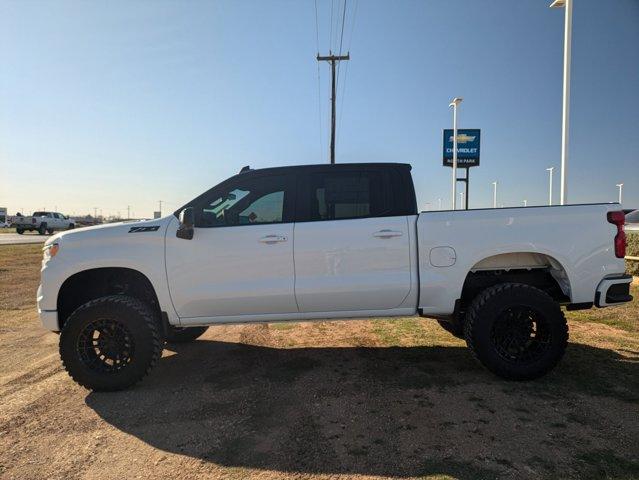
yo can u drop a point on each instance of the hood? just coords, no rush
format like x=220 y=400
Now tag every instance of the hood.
x=111 y=232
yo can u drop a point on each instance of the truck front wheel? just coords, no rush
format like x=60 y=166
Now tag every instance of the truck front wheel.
x=19 y=231
x=110 y=343
x=516 y=331
x=184 y=334
x=42 y=229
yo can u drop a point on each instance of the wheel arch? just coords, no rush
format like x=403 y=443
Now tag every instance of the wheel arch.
x=87 y=285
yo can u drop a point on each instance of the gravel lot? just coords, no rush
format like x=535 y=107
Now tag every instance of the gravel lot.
x=350 y=399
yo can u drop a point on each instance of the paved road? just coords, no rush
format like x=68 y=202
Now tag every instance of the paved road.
x=14 y=238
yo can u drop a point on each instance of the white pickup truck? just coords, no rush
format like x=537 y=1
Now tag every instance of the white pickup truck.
x=43 y=222
x=328 y=241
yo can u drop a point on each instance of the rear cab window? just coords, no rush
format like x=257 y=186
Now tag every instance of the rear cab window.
x=341 y=193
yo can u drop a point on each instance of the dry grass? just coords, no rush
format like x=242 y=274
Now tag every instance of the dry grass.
x=341 y=399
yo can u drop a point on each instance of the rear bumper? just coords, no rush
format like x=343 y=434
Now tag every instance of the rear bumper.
x=613 y=291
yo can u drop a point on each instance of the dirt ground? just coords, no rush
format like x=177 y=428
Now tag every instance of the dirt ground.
x=345 y=399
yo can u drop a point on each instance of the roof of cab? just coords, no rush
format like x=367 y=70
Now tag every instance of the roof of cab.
x=323 y=166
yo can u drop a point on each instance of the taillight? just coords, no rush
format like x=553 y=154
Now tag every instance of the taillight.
x=619 y=219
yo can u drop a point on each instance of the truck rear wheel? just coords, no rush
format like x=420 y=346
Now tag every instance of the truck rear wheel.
x=184 y=334
x=19 y=231
x=110 y=343
x=516 y=331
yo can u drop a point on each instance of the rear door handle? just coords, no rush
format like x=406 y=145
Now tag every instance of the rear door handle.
x=387 y=234
x=270 y=239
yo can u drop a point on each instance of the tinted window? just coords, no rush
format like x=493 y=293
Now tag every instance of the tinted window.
x=250 y=201
x=350 y=194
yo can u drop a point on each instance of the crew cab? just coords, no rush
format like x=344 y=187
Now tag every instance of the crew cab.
x=328 y=241
x=43 y=222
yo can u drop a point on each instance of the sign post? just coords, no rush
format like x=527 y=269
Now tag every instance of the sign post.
x=466 y=153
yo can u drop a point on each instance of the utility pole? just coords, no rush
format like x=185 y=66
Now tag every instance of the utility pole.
x=128 y=212
x=620 y=187
x=550 y=169
x=333 y=59
x=160 y=208
x=565 y=110
x=455 y=103
x=525 y=203
x=494 y=194
x=439 y=204
x=95 y=212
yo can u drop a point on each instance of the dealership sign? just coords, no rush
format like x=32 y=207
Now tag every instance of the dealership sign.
x=467 y=147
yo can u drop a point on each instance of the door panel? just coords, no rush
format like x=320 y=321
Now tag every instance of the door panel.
x=238 y=270
x=358 y=264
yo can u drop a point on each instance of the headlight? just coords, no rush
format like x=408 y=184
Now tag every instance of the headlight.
x=50 y=251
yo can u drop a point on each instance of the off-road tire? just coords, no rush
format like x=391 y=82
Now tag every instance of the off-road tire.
x=184 y=334
x=454 y=329
x=71 y=226
x=50 y=231
x=125 y=313
x=42 y=229
x=19 y=231
x=492 y=311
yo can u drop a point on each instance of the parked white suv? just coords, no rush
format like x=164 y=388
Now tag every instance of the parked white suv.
x=328 y=241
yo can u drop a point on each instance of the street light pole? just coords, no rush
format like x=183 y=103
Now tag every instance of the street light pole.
x=550 y=185
x=620 y=187
x=456 y=101
x=567 y=4
x=494 y=194
x=525 y=203
x=461 y=195
x=439 y=204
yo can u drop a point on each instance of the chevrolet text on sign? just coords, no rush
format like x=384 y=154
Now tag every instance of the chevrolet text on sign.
x=467 y=147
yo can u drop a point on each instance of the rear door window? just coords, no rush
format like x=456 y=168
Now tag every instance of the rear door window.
x=344 y=195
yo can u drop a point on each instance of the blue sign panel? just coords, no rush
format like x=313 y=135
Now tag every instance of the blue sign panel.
x=467 y=147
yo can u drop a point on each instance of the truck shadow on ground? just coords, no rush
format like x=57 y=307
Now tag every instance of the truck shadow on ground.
x=406 y=411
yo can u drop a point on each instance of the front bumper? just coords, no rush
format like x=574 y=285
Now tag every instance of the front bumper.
x=613 y=291
x=48 y=318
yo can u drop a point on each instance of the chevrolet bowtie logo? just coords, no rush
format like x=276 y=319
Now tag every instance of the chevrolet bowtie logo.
x=462 y=138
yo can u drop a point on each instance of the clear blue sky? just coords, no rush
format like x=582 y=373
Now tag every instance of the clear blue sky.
x=109 y=104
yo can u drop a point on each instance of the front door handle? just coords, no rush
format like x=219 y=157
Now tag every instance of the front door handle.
x=387 y=234
x=270 y=239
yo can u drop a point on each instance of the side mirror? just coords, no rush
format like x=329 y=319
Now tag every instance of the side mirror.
x=187 y=222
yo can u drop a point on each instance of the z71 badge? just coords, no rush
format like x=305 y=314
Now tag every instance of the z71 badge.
x=154 y=228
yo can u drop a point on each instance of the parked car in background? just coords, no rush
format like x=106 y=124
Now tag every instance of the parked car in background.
x=632 y=221
x=43 y=222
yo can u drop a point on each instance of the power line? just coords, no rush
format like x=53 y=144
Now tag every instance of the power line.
x=341 y=38
x=330 y=38
x=319 y=87
x=350 y=41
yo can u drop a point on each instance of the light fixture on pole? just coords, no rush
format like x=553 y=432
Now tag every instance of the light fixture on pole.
x=455 y=103
x=494 y=194
x=620 y=187
x=567 y=4
x=549 y=170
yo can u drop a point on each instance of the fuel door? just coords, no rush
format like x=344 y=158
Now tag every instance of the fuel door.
x=442 y=256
